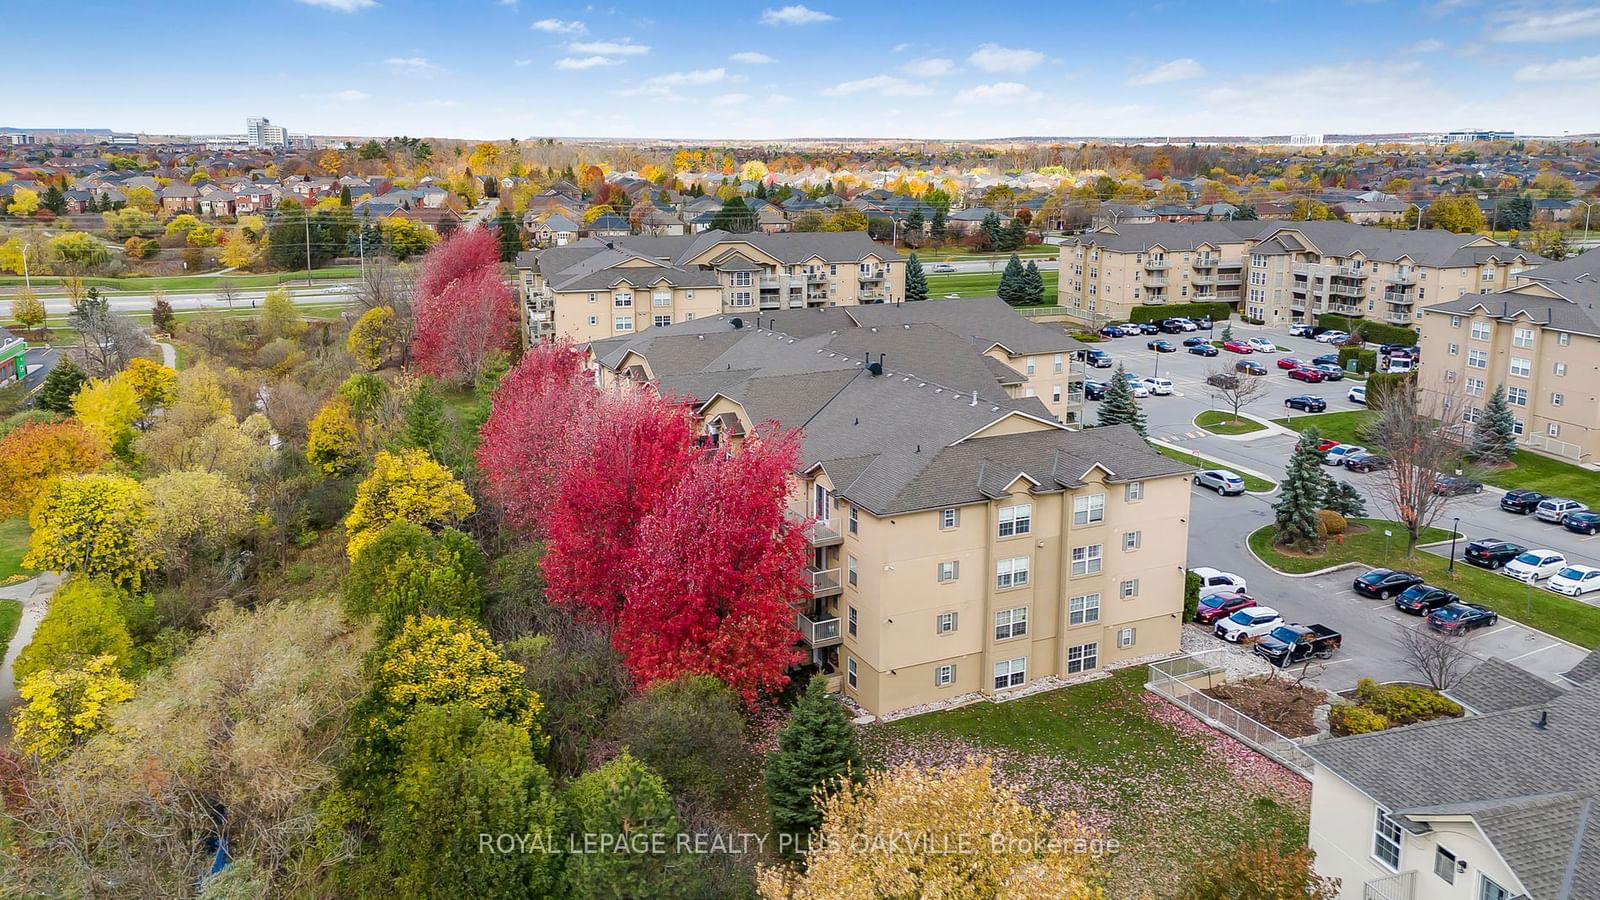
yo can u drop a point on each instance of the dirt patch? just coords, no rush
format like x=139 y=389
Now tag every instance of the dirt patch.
x=1351 y=530
x=1276 y=702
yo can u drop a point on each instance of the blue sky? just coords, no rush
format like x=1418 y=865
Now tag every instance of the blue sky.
x=937 y=69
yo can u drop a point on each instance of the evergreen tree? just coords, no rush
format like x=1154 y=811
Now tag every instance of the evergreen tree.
x=816 y=750
x=1033 y=282
x=1494 y=438
x=1014 y=235
x=93 y=204
x=624 y=797
x=54 y=200
x=1013 y=287
x=509 y=235
x=990 y=229
x=1227 y=330
x=1344 y=499
x=1305 y=486
x=916 y=280
x=1245 y=213
x=913 y=225
x=60 y=385
x=1119 y=407
x=344 y=195
x=735 y=217
x=422 y=419
x=938 y=228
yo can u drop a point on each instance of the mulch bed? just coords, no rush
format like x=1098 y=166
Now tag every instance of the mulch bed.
x=1274 y=701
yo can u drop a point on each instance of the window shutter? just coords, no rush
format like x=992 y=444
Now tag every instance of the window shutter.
x=955 y=621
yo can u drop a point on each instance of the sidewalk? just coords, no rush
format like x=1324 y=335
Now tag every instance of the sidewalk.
x=35 y=596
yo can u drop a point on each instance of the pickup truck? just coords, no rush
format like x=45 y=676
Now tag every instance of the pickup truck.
x=1289 y=644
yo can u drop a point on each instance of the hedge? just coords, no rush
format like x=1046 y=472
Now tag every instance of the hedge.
x=1366 y=360
x=1375 y=332
x=1191 y=596
x=1217 y=311
x=1381 y=385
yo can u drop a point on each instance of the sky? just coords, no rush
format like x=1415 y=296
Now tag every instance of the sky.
x=494 y=69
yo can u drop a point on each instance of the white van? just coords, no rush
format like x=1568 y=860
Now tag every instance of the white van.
x=1397 y=364
x=1161 y=387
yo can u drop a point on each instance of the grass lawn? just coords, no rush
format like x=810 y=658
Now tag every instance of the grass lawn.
x=13 y=546
x=982 y=284
x=1539 y=608
x=180 y=283
x=1251 y=482
x=10 y=617
x=1218 y=422
x=1168 y=789
x=1531 y=470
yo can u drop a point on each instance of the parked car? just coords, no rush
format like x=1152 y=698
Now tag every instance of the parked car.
x=1225 y=380
x=1149 y=328
x=1224 y=482
x=1204 y=322
x=1220 y=605
x=1161 y=346
x=1332 y=337
x=1456 y=485
x=1110 y=331
x=1521 y=501
x=1461 y=616
x=1290 y=362
x=1186 y=323
x=1367 y=462
x=1094 y=390
x=1171 y=326
x=1330 y=373
x=1099 y=359
x=1423 y=599
x=1358 y=394
x=1203 y=350
x=1306 y=374
x=1216 y=581
x=1383 y=584
x=1262 y=345
x=1556 y=509
x=1288 y=644
x=1326 y=359
x=1253 y=621
x=1249 y=367
x=942 y=268
x=1237 y=347
x=1397 y=364
x=1407 y=349
x=1338 y=453
x=1301 y=329
x=1138 y=389
x=1534 y=565
x=1575 y=581
x=1582 y=522
x=1492 y=553
x=1160 y=387
x=1306 y=403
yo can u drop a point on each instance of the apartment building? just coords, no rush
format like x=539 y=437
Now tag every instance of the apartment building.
x=965 y=540
x=592 y=289
x=1280 y=272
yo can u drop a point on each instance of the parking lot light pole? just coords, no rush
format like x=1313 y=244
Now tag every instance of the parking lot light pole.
x=1455 y=532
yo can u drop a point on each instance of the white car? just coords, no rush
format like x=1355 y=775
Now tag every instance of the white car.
x=1253 y=621
x=1161 y=387
x=1338 y=453
x=1358 y=394
x=1333 y=337
x=341 y=289
x=1262 y=345
x=942 y=268
x=1534 y=565
x=1575 y=581
x=1186 y=324
x=1216 y=581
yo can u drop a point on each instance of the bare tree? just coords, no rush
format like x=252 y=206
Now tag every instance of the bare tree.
x=228 y=292
x=1234 y=390
x=1438 y=660
x=386 y=284
x=107 y=339
x=1421 y=437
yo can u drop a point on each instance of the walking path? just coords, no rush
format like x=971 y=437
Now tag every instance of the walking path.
x=35 y=596
x=169 y=355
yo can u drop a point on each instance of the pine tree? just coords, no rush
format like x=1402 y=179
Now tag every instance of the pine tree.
x=1013 y=287
x=1344 y=499
x=509 y=236
x=990 y=229
x=60 y=385
x=938 y=228
x=1119 y=407
x=344 y=195
x=1014 y=235
x=1305 y=486
x=1034 y=281
x=815 y=750
x=1494 y=438
x=916 y=280
x=1227 y=330
x=913 y=226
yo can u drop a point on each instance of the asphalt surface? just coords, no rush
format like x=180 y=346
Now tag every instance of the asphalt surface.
x=324 y=292
x=40 y=360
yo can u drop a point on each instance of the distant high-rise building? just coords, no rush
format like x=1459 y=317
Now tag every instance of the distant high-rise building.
x=1468 y=136
x=1305 y=140
x=17 y=138
x=260 y=132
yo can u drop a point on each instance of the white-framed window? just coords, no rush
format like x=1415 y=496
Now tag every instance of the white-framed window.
x=945 y=675
x=1133 y=491
x=591 y=298
x=1522 y=337
x=741 y=279
x=1059 y=363
x=850 y=671
x=622 y=300
x=1480 y=331
x=855 y=519
x=1009 y=673
x=944 y=623
x=741 y=298
x=1127 y=637
x=1449 y=375
x=622 y=324
x=949 y=518
x=1489 y=890
x=1517 y=396
x=1444 y=864
x=1517 y=426
x=1088 y=509
x=1086 y=560
x=1471 y=414
x=663 y=321
x=1554 y=430
x=1132 y=540
x=1028 y=365
x=1563 y=338
x=1475 y=387
x=1386 y=841
x=661 y=298
x=1521 y=368
x=1455 y=321
x=851 y=620
x=1560 y=368
x=1557 y=398
x=594 y=320
x=1010 y=573
x=1015 y=520
x=1129 y=588
x=1055 y=393
x=850 y=568
x=1477 y=359
x=1010 y=623
x=1453 y=349
x=1083 y=610
x=1083 y=657
x=949 y=571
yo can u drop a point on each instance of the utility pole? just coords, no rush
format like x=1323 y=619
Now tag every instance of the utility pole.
x=308 y=247
x=27 y=283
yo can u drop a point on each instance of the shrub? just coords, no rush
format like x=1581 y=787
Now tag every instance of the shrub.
x=1348 y=718
x=1403 y=704
x=1088 y=337
x=691 y=732
x=1366 y=360
x=1191 y=596
x=1331 y=522
x=1376 y=332
x=1217 y=312
x=408 y=571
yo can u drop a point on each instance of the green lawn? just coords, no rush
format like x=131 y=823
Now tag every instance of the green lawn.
x=1168 y=789
x=13 y=546
x=1553 y=613
x=10 y=617
x=982 y=284
x=1251 y=482
x=180 y=283
x=1218 y=422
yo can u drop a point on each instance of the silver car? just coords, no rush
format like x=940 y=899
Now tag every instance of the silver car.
x=1224 y=482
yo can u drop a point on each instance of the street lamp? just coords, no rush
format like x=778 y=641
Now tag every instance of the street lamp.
x=1418 y=226
x=1588 y=207
x=1455 y=532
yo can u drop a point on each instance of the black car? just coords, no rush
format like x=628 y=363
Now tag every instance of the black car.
x=1171 y=326
x=1306 y=403
x=1099 y=359
x=1194 y=341
x=1582 y=522
x=1456 y=485
x=1385 y=583
x=1459 y=616
x=1423 y=599
x=1203 y=350
x=1387 y=349
x=1521 y=501
x=1367 y=462
x=1161 y=346
x=1149 y=328
x=1326 y=359
x=1329 y=372
x=1225 y=380
x=1492 y=553
x=1094 y=390
x=1250 y=367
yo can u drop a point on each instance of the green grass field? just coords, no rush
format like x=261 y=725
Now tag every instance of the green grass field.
x=1217 y=421
x=181 y=283
x=983 y=284
x=1251 y=482
x=1536 y=607
x=13 y=546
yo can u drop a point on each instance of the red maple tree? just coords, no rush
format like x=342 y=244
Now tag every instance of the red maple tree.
x=463 y=252
x=717 y=572
x=471 y=317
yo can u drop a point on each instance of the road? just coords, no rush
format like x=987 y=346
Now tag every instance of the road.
x=481 y=213
x=988 y=266
x=323 y=292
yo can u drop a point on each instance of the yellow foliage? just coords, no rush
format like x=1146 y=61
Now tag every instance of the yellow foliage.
x=278 y=316
x=374 y=337
x=408 y=485
x=238 y=250
x=24 y=202
x=109 y=408
x=94 y=524
x=439 y=660
x=154 y=383
x=333 y=444
x=194 y=512
x=62 y=708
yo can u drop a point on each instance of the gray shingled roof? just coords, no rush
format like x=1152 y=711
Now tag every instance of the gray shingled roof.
x=1431 y=247
x=1495 y=685
x=1586 y=671
x=1576 y=309
x=1567 y=269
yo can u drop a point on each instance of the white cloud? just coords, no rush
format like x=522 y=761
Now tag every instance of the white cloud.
x=1581 y=69
x=793 y=15
x=999 y=92
x=1426 y=45
x=411 y=65
x=901 y=47
x=586 y=62
x=685 y=79
x=995 y=58
x=752 y=58
x=1538 y=27
x=609 y=48
x=1177 y=70
x=349 y=95
x=557 y=26
x=728 y=99
x=931 y=67
x=521 y=63
x=344 y=6
x=887 y=85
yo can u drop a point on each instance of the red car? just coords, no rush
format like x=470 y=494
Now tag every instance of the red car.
x=1326 y=445
x=1306 y=374
x=1237 y=347
x=1217 y=606
x=1290 y=362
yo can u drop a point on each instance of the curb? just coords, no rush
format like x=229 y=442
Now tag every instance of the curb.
x=1352 y=564
x=1268 y=428
x=1234 y=466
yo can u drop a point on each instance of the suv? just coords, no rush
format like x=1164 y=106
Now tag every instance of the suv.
x=1171 y=326
x=1251 y=622
x=1556 y=509
x=1215 y=581
x=1492 y=553
x=1099 y=359
x=1534 y=565
x=1521 y=501
x=1302 y=330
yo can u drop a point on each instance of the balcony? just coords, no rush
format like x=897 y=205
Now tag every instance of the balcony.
x=1400 y=886
x=1227 y=295
x=1156 y=281
x=768 y=282
x=824 y=582
x=1345 y=309
x=816 y=277
x=1326 y=271
x=1398 y=297
x=1203 y=279
x=823 y=534
x=872 y=296
x=1230 y=278
x=872 y=276
x=816 y=296
x=1399 y=316
x=1205 y=262
x=1155 y=265
x=818 y=633
x=1402 y=278
x=1346 y=290
x=771 y=302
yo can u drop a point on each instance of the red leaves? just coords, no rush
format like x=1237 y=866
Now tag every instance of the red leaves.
x=531 y=429
x=465 y=251
x=464 y=309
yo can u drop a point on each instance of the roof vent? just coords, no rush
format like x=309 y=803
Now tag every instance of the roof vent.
x=974 y=398
x=875 y=369
x=1543 y=721
x=737 y=323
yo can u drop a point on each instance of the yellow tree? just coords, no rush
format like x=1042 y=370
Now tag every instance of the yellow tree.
x=239 y=251
x=95 y=525
x=278 y=316
x=62 y=708
x=405 y=486
x=333 y=444
x=24 y=203
x=154 y=383
x=143 y=199
x=36 y=453
x=375 y=337
x=27 y=310
x=330 y=162
x=109 y=408
x=193 y=514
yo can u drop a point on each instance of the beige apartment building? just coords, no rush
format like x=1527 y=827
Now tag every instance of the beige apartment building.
x=1280 y=272
x=965 y=539
x=593 y=289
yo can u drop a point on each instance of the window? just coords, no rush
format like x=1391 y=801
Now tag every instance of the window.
x=1522 y=337
x=741 y=279
x=1028 y=365
x=1386 y=841
x=851 y=617
x=1134 y=491
x=1517 y=396
x=1126 y=637
x=741 y=298
x=1480 y=331
x=1010 y=573
x=1010 y=623
x=944 y=623
x=1015 y=520
x=855 y=519
x=944 y=676
x=622 y=300
x=1086 y=560
x=1028 y=392
x=1554 y=430
x=850 y=566
x=594 y=320
x=1132 y=540
x=591 y=298
x=1475 y=387
x=1083 y=610
x=1521 y=368
x=1453 y=349
x=1444 y=865
x=663 y=321
x=1517 y=426
x=622 y=323
x=1488 y=890
x=1059 y=363
x=1083 y=658
x=1088 y=510
x=1563 y=339
x=1130 y=588
x=850 y=671
x=1561 y=368
x=949 y=518
x=1055 y=393
x=1449 y=375
x=949 y=571
x=1008 y=673
x=1477 y=359
x=1471 y=415
x=661 y=298
x=1455 y=321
